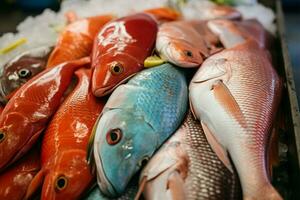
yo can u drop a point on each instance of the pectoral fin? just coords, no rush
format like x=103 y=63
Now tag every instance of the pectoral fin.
x=227 y=101
x=35 y=184
x=217 y=147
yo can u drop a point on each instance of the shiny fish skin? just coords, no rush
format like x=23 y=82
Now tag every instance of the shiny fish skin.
x=203 y=175
x=236 y=94
x=146 y=111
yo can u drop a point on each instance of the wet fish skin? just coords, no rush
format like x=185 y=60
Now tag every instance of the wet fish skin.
x=21 y=69
x=188 y=159
x=120 y=49
x=26 y=114
x=64 y=145
x=236 y=92
x=144 y=112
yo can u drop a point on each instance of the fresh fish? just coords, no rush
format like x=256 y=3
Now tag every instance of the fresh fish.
x=163 y=14
x=21 y=69
x=76 y=40
x=65 y=173
x=138 y=117
x=232 y=33
x=185 y=167
x=15 y=180
x=120 y=49
x=236 y=92
x=26 y=114
x=185 y=43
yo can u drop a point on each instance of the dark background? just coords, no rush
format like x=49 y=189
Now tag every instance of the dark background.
x=13 y=12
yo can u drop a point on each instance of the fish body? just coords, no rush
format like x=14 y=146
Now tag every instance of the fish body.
x=26 y=115
x=138 y=117
x=21 y=69
x=186 y=167
x=120 y=49
x=76 y=40
x=185 y=43
x=236 y=92
x=15 y=180
x=65 y=173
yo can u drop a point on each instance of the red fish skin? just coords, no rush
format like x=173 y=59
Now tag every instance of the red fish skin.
x=1 y=109
x=126 y=43
x=15 y=180
x=65 y=141
x=27 y=113
x=76 y=40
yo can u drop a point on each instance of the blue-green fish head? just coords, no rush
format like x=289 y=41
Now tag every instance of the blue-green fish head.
x=124 y=142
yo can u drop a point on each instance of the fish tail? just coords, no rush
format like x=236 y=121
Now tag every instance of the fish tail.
x=35 y=184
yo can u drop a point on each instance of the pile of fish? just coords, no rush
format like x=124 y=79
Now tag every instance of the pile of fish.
x=151 y=105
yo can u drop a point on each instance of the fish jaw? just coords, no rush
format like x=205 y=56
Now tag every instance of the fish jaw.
x=104 y=80
x=71 y=165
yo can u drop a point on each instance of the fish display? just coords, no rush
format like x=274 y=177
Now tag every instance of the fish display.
x=236 y=92
x=186 y=167
x=65 y=172
x=137 y=118
x=21 y=69
x=76 y=40
x=120 y=49
x=14 y=181
x=26 y=114
x=232 y=33
x=185 y=43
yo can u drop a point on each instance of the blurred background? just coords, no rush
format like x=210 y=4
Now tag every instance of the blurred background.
x=13 y=12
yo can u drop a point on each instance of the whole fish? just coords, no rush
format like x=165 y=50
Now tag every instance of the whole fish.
x=21 y=69
x=15 y=180
x=236 y=92
x=26 y=114
x=76 y=40
x=186 y=167
x=120 y=49
x=138 y=117
x=232 y=33
x=65 y=173
x=185 y=43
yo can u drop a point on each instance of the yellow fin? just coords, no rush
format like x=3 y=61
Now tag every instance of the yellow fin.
x=153 y=61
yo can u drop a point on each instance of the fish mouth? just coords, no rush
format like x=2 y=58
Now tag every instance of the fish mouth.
x=100 y=92
x=105 y=185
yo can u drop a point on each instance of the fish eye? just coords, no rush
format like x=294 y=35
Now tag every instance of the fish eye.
x=144 y=161
x=116 y=68
x=114 y=136
x=61 y=183
x=24 y=73
x=188 y=53
x=2 y=136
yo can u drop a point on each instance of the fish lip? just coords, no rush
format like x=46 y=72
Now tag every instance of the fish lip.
x=105 y=185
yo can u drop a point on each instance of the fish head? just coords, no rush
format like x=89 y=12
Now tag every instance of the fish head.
x=68 y=178
x=17 y=72
x=182 y=54
x=124 y=142
x=112 y=70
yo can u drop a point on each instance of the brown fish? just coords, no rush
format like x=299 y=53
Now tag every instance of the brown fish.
x=20 y=69
x=186 y=167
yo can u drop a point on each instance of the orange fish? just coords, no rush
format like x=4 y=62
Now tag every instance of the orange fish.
x=76 y=40
x=120 y=49
x=26 y=115
x=14 y=181
x=65 y=173
x=164 y=14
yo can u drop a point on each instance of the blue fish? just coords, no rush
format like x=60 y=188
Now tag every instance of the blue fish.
x=137 y=118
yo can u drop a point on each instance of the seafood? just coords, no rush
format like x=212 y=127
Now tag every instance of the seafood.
x=76 y=40
x=21 y=69
x=138 y=117
x=14 y=181
x=186 y=166
x=1 y=109
x=120 y=49
x=26 y=114
x=163 y=14
x=65 y=173
x=232 y=33
x=236 y=92
x=185 y=43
